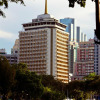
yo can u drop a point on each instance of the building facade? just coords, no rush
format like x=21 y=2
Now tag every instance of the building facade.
x=85 y=59
x=85 y=37
x=12 y=58
x=2 y=51
x=44 y=47
x=97 y=58
x=73 y=46
x=79 y=34
x=82 y=37
x=15 y=49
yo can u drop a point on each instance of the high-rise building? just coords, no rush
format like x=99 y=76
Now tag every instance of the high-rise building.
x=71 y=27
x=82 y=37
x=79 y=34
x=85 y=37
x=15 y=49
x=73 y=46
x=12 y=58
x=85 y=60
x=74 y=31
x=44 y=46
x=97 y=57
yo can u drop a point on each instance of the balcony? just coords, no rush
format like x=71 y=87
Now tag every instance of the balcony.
x=62 y=36
x=62 y=42
x=62 y=71
x=62 y=78
x=59 y=48
x=62 y=74
x=62 y=56
x=62 y=64
x=62 y=67
x=62 y=60
x=65 y=47
x=62 y=52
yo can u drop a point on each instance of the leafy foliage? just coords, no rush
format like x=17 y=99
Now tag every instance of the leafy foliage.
x=26 y=84
x=17 y=83
x=7 y=75
x=49 y=81
x=82 y=3
x=81 y=90
x=52 y=94
x=5 y=3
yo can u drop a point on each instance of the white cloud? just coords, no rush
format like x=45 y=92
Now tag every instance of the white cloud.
x=7 y=35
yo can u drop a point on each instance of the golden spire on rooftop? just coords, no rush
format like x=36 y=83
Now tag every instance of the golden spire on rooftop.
x=46 y=8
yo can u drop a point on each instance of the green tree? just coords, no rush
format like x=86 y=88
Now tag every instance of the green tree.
x=74 y=89
x=50 y=94
x=5 y=3
x=91 y=76
x=7 y=75
x=84 y=89
x=27 y=84
x=53 y=89
x=49 y=81
x=96 y=86
x=20 y=67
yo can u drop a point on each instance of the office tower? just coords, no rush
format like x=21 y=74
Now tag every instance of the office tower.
x=85 y=60
x=44 y=46
x=73 y=46
x=15 y=49
x=82 y=37
x=12 y=58
x=78 y=34
x=85 y=37
x=71 y=27
x=97 y=57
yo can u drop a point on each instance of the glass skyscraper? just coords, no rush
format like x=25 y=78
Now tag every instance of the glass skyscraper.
x=74 y=31
x=71 y=27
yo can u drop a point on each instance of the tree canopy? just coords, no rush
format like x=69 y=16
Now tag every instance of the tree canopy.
x=7 y=74
x=17 y=83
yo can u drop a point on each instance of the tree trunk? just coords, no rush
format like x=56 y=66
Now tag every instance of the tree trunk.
x=97 y=31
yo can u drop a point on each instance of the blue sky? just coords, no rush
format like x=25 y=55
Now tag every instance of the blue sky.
x=17 y=14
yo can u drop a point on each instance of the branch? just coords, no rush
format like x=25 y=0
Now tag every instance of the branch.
x=2 y=13
x=5 y=4
x=82 y=3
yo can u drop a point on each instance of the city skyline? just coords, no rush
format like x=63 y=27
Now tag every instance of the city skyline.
x=10 y=26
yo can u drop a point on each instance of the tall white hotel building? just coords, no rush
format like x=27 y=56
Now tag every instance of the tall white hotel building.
x=44 y=46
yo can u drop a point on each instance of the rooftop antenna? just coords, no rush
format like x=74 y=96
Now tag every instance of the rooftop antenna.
x=46 y=8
